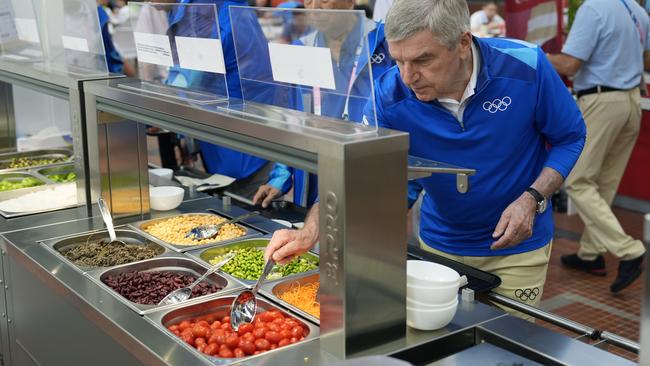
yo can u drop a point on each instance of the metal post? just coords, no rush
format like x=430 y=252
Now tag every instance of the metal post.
x=7 y=120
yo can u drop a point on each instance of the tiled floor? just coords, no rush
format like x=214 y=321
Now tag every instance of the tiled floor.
x=586 y=298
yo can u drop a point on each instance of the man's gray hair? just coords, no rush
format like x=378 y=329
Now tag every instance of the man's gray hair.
x=446 y=19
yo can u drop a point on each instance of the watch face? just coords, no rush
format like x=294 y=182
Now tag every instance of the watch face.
x=541 y=207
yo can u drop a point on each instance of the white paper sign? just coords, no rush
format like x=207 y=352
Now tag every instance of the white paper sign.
x=304 y=65
x=75 y=43
x=153 y=49
x=27 y=30
x=202 y=54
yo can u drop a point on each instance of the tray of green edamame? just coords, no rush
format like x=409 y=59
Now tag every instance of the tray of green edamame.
x=248 y=263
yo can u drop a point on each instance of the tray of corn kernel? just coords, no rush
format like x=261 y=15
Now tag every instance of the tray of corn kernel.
x=172 y=230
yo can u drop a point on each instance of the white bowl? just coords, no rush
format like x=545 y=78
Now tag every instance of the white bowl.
x=423 y=273
x=432 y=295
x=426 y=306
x=165 y=198
x=430 y=319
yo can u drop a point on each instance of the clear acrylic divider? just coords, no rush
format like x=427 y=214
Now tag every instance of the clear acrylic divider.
x=179 y=52
x=71 y=36
x=19 y=36
x=314 y=61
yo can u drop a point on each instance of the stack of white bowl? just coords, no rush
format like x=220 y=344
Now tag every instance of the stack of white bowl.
x=431 y=294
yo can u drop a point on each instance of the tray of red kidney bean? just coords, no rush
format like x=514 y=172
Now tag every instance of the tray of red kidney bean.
x=144 y=284
x=205 y=326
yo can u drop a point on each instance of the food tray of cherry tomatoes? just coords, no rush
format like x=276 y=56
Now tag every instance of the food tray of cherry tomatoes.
x=205 y=327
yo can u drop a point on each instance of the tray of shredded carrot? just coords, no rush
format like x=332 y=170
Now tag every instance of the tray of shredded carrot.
x=300 y=294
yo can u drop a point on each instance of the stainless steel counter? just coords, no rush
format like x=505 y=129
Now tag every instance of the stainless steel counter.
x=58 y=315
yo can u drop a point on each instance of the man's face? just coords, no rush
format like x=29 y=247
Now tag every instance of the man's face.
x=429 y=67
x=490 y=10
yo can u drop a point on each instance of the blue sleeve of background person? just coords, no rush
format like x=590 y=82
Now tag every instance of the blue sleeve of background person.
x=113 y=58
x=280 y=177
x=584 y=33
x=558 y=118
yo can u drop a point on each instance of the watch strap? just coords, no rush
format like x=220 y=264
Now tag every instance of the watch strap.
x=535 y=193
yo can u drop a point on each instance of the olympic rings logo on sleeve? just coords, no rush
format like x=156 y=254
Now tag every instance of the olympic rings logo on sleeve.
x=497 y=104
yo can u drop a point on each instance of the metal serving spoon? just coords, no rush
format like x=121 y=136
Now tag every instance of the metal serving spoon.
x=108 y=220
x=182 y=294
x=244 y=307
x=209 y=231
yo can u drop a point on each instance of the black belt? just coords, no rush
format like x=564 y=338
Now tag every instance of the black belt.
x=596 y=89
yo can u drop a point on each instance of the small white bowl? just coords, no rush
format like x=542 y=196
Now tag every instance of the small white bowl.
x=423 y=273
x=430 y=319
x=432 y=295
x=427 y=306
x=165 y=198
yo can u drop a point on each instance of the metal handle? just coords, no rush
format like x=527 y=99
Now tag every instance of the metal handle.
x=108 y=220
x=267 y=269
x=214 y=268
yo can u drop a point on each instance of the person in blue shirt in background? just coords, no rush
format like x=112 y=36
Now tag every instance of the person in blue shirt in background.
x=345 y=104
x=489 y=104
x=605 y=52
x=249 y=171
x=113 y=59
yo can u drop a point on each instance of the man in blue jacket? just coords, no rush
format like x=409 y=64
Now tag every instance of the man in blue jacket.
x=344 y=104
x=489 y=104
x=249 y=171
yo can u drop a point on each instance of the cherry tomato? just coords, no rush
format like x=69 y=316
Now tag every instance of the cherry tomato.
x=226 y=326
x=247 y=346
x=274 y=327
x=245 y=328
x=199 y=331
x=260 y=324
x=276 y=314
x=259 y=333
x=291 y=323
x=184 y=325
x=210 y=319
x=285 y=326
x=201 y=347
x=215 y=325
x=203 y=323
x=173 y=328
x=211 y=349
x=293 y=340
x=278 y=321
x=226 y=353
x=273 y=337
x=199 y=341
x=232 y=341
x=223 y=346
x=249 y=337
x=286 y=333
x=262 y=344
x=297 y=331
x=274 y=346
x=239 y=353
x=267 y=317
x=178 y=333
x=257 y=352
x=284 y=342
x=225 y=319
x=188 y=338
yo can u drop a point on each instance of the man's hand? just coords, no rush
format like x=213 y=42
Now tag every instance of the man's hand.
x=265 y=194
x=288 y=244
x=516 y=223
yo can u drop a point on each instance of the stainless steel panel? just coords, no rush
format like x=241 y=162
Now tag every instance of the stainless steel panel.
x=177 y=264
x=206 y=254
x=142 y=226
x=220 y=307
x=56 y=245
x=7 y=119
x=273 y=291
x=485 y=354
x=15 y=193
x=35 y=154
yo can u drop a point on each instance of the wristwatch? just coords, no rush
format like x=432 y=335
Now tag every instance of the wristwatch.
x=542 y=203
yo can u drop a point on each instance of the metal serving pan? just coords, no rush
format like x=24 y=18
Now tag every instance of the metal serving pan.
x=15 y=193
x=5 y=159
x=260 y=243
x=172 y=263
x=59 y=169
x=141 y=227
x=274 y=289
x=56 y=245
x=220 y=307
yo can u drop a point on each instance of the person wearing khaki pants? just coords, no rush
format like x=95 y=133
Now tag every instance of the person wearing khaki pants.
x=605 y=51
